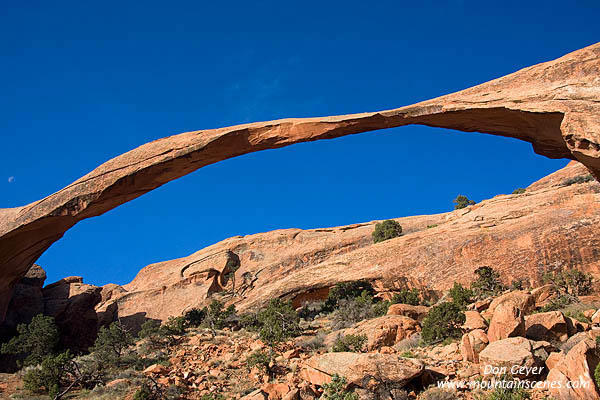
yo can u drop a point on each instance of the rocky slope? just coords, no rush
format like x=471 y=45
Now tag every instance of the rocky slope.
x=520 y=235
x=553 y=105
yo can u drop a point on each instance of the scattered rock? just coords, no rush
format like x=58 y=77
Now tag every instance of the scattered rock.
x=472 y=344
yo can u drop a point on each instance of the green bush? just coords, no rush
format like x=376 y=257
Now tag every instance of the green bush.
x=461 y=296
x=435 y=393
x=519 y=191
x=279 y=321
x=570 y=283
x=346 y=290
x=462 y=201
x=218 y=317
x=262 y=360
x=442 y=322
x=556 y=303
x=173 y=326
x=50 y=376
x=212 y=396
x=336 y=390
x=578 y=179
x=249 y=321
x=112 y=345
x=351 y=343
x=385 y=230
x=351 y=311
x=407 y=296
x=510 y=392
x=34 y=342
x=487 y=283
x=194 y=317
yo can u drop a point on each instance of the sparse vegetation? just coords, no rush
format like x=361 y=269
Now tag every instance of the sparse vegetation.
x=346 y=290
x=216 y=316
x=462 y=201
x=112 y=345
x=351 y=311
x=34 y=342
x=352 y=343
x=385 y=230
x=570 y=283
x=407 y=296
x=435 y=393
x=518 y=191
x=487 y=283
x=443 y=321
x=336 y=390
x=577 y=179
x=262 y=360
x=460 y=295
x=279 y=321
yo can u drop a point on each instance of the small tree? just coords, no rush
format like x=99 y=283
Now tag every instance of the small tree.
x=460 y=295
x=442 y=322
x=217 y=317
x=487 y=283
x=35 y=340
x=347 y=290
x=570 y=283
x=112 y=344
x=336 y=390
x=385 y=230
x=351 y=343
x=462 y=201
x=51 y=375
x=407 y=296
x=279 y=321
x=174 y=326
x=194 y=317
x=262 y=360
x=519 y=191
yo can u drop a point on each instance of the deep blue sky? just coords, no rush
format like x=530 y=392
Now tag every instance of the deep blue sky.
x=82 y=82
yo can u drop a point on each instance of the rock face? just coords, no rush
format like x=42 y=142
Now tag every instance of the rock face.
x=577 y=366
x=520 y=235
x=71 y=302
x=27 y=300
x=553 y=105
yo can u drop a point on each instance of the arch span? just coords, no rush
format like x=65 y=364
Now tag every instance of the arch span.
x=555 y=106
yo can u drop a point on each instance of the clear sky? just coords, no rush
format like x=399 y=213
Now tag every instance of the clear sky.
x=82 y=82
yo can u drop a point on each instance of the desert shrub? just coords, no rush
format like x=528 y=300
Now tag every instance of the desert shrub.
x=50 y=376
x=406 y=344
x=407 y=296
x=351 y=311
x=351 y=343
x=217 y=316
x=517 y=284
x=570 y=283
x=310 y=310
x=279 y=321
x=519 y=191
x=262 y=360
x=346 y=290
x=578 y=179
x=506 y=392
x=462 y=201
x=34 y=341
x=212 y=396
x=442 y=322
x=556 y=303
x=149 y=328
x=487 y=283
x=194 y=317
x=336 y=390
x=432 y=226
x=435 y=393
x=313 y=343
x=460 y=295
x=144 y=393
x=385 y=230
x=249 y=321
x=112 y=345
x=597 y=375
x=173 y=326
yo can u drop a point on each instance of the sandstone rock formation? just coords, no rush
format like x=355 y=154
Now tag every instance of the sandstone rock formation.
x=415 y=312
x=506 y=322
x=520 y=235
x=528 y=356
x=473 y=343
x=553 y=105
x=576 y=366
x=550 y=326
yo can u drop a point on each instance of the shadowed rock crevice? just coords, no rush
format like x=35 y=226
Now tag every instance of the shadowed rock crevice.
x=554 y=105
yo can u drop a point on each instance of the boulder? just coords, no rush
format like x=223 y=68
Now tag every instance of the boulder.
x=417 y=313
x=474 y=320
x=553 y=360
x=521 y=299
x=275 y=391
x=473 y=343
x=72 y=303
x=577 y=366
x=541 y=295
x=364 y=370
x=518 y=356
x=507 y=321
x=383 y=331
x=550 y=326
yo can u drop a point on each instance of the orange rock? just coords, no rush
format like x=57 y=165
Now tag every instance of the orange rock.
x=156 y=369
x=542 y=294
x=553 y=360
x=506 y=322
x=474 y=320
x=548 y=326
x=275 y=391
x=472 y=343
x=577 y=366
x=521 y=299
x=516 y=355
x=417 y=313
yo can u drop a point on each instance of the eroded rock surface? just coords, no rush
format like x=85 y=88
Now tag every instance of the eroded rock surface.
x=553 y=105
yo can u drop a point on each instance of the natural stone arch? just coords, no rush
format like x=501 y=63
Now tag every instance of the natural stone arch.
x=555 y=106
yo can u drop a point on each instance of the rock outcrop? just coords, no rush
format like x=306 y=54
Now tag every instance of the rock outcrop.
x=520 y=235
x=553 y=105
x=573 y=373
